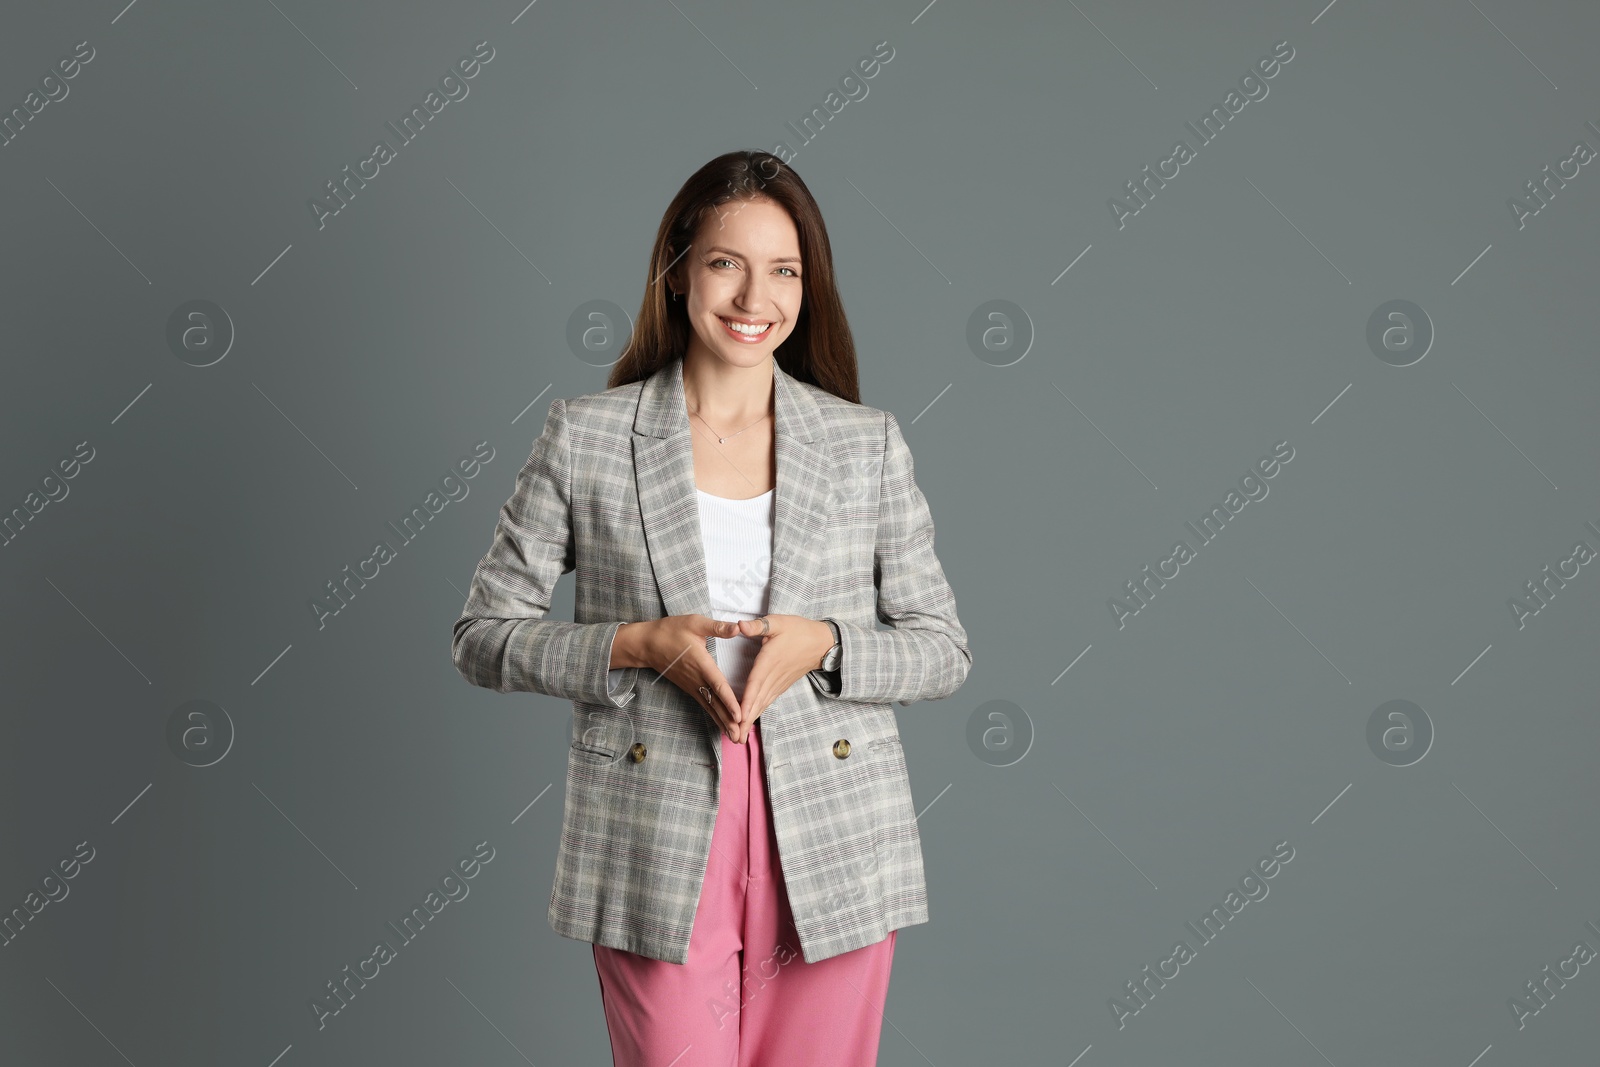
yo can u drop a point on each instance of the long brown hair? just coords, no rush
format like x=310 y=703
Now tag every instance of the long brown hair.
x=819 y=350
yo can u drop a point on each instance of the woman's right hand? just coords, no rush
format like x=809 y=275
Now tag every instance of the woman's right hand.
x=675 y=648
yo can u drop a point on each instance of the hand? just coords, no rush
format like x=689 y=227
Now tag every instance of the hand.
x=675 y=648
x=792 y=648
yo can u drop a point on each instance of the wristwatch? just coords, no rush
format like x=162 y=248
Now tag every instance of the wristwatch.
x=830 y=662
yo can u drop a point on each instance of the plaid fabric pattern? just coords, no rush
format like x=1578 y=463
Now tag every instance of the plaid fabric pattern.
x=609 y=492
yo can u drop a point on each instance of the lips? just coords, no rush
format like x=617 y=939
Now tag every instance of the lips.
x=740 y=334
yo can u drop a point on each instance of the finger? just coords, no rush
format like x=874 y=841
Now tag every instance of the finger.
x=723 y=695
x=714 y=705
x=718 y=711
x=756 y=698
x=749 y=726
x=758 y=690
x=729 y=702
x=736 y=713
x=717 y=682
x=731 y=732
x=756 y=628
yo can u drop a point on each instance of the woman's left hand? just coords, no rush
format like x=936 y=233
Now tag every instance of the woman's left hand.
x=791 y=649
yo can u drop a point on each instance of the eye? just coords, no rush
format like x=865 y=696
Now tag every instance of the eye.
x=721 y=259
x=790 y=270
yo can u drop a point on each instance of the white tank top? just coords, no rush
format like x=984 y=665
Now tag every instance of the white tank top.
x=737 y=539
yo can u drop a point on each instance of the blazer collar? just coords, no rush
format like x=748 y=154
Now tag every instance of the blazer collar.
x=662 y=411
x=663 y=463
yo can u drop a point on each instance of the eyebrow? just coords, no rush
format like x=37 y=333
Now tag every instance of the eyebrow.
x=741 y=255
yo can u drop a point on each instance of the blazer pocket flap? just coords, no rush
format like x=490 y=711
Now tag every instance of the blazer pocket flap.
x=593 y=751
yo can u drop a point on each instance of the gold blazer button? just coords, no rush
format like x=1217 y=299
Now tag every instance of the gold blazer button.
x=636 y=753
x=841 y=748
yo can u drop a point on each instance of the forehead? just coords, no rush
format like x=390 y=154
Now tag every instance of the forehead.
x=756 y=230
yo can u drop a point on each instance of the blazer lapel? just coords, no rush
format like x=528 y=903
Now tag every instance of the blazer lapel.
x=663 y=464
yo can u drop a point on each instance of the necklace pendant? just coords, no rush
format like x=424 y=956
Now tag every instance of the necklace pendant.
x=722 y=440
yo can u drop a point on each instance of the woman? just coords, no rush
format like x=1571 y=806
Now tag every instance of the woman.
x=739 y=848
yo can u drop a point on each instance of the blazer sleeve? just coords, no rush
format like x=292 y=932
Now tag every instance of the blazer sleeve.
x=503 y=639
x=924 y=654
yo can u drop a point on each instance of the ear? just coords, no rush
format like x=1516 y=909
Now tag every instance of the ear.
x=673 y=280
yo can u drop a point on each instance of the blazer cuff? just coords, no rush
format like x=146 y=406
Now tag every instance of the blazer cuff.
x=825 y=682
x=621 y=682
x=903 y=665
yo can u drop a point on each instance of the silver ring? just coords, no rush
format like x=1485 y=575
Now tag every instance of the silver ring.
x=705 y=693
x=766 y=626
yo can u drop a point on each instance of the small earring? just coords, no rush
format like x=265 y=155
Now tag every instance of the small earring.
x=674 y=295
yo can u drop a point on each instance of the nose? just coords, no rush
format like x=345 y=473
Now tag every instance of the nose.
x=752 y=295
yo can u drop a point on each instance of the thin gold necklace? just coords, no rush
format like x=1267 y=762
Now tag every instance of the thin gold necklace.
x=724 y=440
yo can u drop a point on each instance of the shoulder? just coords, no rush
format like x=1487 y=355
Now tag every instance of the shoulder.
x=609 y=411
x=849 y=423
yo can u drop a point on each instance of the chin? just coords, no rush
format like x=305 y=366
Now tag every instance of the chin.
x=745 y=355
x=746 y=360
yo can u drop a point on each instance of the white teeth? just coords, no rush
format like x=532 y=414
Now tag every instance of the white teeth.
x=749 y=331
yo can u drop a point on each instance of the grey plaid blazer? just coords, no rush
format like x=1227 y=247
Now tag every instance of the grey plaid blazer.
x=609 y=491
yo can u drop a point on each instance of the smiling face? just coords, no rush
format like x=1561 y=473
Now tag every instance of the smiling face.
x=741 y=281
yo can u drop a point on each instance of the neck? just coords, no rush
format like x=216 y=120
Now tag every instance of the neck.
x=727 y=397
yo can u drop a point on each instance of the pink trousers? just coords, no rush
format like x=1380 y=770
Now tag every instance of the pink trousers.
x=746 y=997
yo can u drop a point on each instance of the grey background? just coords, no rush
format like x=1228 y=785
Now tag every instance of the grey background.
x=431 y=313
